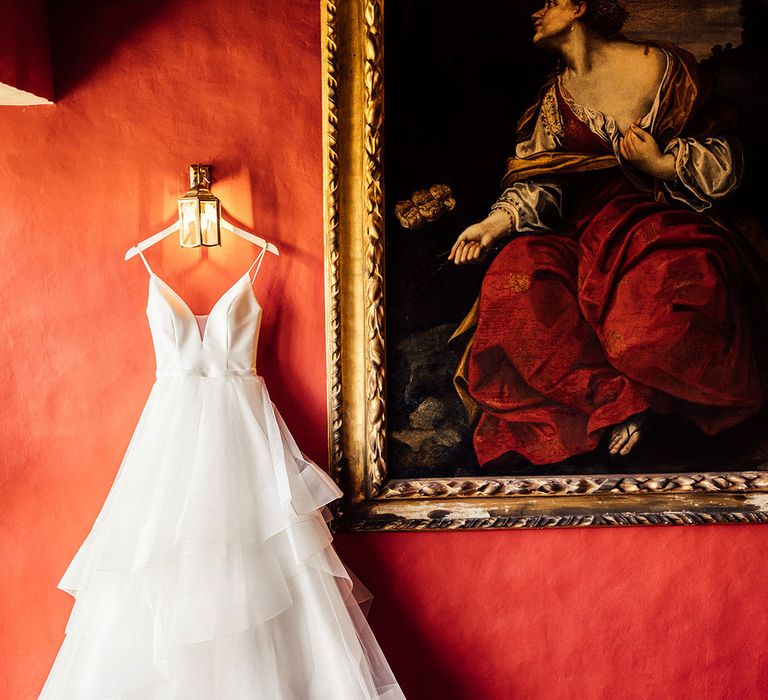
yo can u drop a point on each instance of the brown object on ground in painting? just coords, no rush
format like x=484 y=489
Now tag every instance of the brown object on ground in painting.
x=425 y=205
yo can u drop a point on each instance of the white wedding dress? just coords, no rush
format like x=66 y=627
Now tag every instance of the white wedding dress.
x=209 y=572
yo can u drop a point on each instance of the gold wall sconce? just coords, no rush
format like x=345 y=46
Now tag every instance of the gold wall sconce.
x=200 y=220
x=199 y=210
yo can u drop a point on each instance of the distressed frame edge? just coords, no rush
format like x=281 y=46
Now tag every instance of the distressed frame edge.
x=331 y=257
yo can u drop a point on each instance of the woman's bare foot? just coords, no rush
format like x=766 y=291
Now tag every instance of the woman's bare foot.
x=626 y=435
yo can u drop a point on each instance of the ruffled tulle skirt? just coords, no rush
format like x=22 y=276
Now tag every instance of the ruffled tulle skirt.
x=209 y=572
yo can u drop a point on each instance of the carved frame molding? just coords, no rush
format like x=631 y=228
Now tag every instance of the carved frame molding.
x=353 y=197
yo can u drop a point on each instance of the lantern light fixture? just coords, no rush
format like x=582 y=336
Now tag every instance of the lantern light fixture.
x=199 y=210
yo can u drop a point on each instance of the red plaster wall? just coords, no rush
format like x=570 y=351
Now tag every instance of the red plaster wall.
x=24 y=54
x=146 y=88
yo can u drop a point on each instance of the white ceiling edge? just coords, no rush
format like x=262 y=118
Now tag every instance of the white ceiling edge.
x=10 y=95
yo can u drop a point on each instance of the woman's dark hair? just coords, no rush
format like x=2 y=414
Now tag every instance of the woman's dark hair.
x=606 y=17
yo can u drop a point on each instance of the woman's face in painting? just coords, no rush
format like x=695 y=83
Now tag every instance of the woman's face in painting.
x=553 y=20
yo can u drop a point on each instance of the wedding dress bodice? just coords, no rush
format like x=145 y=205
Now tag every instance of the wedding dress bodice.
x=220 y=343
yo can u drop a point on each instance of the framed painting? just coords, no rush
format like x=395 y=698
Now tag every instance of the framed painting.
x=547 y=281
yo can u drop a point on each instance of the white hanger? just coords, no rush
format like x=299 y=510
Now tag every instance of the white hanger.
x=155 y=237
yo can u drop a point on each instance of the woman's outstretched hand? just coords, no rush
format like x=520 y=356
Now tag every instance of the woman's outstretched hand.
x=475 y=240
x=640 y=148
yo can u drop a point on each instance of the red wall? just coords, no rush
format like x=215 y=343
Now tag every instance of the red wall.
x=144 y=89
x=25 y=62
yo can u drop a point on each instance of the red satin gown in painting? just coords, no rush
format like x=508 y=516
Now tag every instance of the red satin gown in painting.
x=633 y=304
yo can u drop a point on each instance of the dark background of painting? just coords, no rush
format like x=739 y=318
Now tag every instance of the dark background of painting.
x=457 y=76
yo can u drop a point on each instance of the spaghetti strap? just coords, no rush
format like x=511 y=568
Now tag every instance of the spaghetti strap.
x=144 y=260
x=256 y=262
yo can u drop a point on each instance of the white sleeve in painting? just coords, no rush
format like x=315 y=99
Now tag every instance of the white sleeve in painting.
x=533 y=205
x=705 y=170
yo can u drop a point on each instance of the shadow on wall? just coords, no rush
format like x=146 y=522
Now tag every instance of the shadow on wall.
x=85 y=33
x=400 y=621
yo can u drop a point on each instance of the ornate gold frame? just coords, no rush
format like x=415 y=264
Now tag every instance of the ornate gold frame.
x=353 y=113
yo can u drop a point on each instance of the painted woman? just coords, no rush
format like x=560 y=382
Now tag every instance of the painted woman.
x=618 y=292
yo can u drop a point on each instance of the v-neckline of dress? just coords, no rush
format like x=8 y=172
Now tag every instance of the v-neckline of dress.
x=203 y=334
